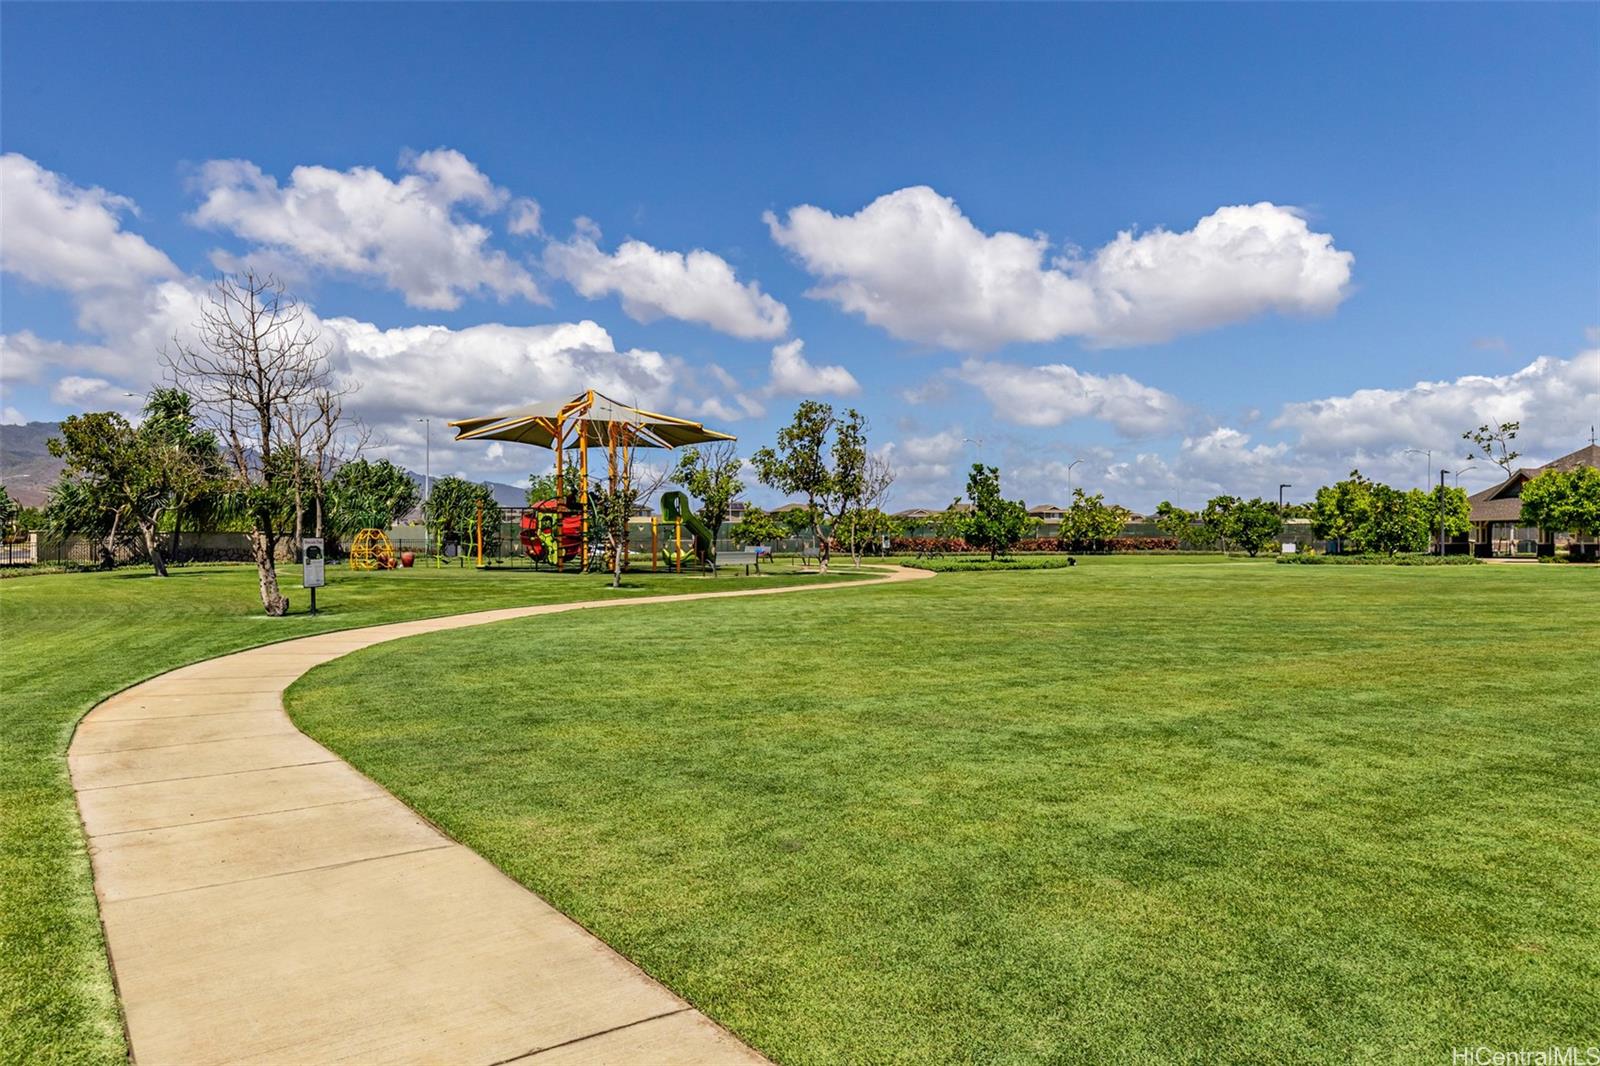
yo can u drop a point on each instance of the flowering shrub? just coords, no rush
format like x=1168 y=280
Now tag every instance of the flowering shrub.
x=1110 y=544
x=913 y=545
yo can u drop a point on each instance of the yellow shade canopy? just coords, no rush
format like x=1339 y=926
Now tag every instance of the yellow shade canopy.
x=589 y=418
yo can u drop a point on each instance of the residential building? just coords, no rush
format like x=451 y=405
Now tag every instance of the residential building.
x=1496 y=515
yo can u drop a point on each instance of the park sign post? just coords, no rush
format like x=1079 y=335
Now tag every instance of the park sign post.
x=312 y=575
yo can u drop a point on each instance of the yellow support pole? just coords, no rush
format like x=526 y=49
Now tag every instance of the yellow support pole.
x=654 y=549
x=677 y=545
x=583 y=493
x=480 y=534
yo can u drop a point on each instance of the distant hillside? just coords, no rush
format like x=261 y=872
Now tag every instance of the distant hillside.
x=27 y=469
x=505 y=495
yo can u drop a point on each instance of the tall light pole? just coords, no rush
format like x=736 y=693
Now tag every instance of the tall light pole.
x=1441 y=512
x=1281 y=487
x=977 y=443
x=1070 y=465
x=1463 y=470
x=1428 y=475
x=427 y=479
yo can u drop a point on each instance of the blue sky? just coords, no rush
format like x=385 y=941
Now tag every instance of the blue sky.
x=1403 y=235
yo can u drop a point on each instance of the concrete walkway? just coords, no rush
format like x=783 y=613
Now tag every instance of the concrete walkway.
x=264 y=902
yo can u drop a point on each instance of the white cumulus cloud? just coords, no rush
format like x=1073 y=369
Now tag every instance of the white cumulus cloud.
x=912 y=263
x=794 y=375
x=70 y=237
x=699 y=286
x=408 y=232
x=1556 y=400
x=1055 y=393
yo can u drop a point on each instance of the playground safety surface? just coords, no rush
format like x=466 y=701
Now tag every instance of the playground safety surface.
x=265 y=902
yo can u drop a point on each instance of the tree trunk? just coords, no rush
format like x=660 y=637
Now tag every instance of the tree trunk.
x=152 y=544
x=108 y=554
x=262 y=548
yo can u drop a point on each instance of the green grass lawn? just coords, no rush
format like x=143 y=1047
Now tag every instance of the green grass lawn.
x=1132 y=811
x=69 y=640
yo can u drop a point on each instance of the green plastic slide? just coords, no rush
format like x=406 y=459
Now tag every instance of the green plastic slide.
x=675 y=505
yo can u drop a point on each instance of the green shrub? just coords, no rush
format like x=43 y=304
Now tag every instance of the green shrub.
x=952 y=566
x=1379 y=559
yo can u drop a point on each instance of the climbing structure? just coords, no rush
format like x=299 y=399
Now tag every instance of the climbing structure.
x=371 y=550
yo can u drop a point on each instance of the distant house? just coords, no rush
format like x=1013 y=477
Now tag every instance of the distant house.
x=785 y=508
x=1048 y=512
x=916 y=514
x=1497 y=512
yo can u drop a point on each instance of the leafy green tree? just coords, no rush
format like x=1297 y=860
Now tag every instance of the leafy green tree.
x=1089 y=522
x=1563 y=501
x=1493 y=442
x=711 y=475
x=133 y=476
x=1397 y=521
x=822 y=457
x=369 y=494
x=1217 y=518
x=1342 y=513
x=1181 y=525
x=28 y=519
x=951 y=523
x=757 y=527
x=870 y=525
x=1253 y=524
x=1456 y=507
x=189 y=455
x=542 y=487
x=452 y=509
x=994 y=522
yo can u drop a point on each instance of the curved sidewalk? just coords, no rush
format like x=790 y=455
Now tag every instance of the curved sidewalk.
x=264 y=902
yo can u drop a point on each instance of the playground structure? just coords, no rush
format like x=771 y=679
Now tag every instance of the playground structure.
x=371 y=550
x=676 y=516
x=561 y=530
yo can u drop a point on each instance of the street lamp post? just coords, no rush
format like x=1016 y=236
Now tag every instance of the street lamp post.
x=1463 y=470
x=427 y=479
x=1441 y=512
x=1428 y=474
x=1070 y=465
x=1284 y=485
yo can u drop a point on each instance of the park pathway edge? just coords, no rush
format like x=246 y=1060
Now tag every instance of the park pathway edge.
x=264 y=902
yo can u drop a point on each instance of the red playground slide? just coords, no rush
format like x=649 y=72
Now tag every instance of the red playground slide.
x=550 y=526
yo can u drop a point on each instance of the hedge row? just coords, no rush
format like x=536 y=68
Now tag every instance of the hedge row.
x=948 y=545
x=1401 y=559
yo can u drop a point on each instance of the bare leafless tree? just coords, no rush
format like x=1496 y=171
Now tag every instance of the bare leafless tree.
x=261 y=378
x=324 y=438
x=866 y=517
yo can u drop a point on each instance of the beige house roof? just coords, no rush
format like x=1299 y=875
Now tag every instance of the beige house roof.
x=1503 y=502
